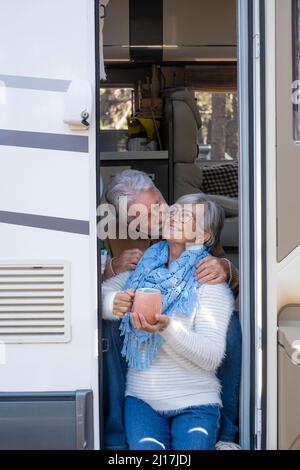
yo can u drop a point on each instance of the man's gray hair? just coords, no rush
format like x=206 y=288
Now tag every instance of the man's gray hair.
x=213 y=216
x=128 y=183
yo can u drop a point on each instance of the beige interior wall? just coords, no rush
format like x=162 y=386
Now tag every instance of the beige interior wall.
x=116 y=30
x=203 y=30
x=289 y=379
x=288 y=152
x=200 y=22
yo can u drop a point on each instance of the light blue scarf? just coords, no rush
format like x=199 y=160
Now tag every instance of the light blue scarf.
x=179 y=294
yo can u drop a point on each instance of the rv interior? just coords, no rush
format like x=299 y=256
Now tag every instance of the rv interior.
x=169 y=104
x=175 y=65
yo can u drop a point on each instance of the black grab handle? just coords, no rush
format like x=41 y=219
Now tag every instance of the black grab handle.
x=104 y=11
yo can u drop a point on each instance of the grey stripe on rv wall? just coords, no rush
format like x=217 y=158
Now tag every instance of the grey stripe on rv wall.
x=81 y=227
x=44 y=140
x=35 y=83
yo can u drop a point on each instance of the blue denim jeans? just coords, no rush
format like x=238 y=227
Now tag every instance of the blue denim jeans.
x=114 y=369
x=229 y=375
x=193 y=428
x=114 y=372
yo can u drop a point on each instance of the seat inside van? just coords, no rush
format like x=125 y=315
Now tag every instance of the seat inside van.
x=217 y=179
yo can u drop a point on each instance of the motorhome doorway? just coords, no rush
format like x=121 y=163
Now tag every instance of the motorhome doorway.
x=170 y=106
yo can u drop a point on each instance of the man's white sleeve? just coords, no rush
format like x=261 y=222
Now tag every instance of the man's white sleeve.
x=109 y=289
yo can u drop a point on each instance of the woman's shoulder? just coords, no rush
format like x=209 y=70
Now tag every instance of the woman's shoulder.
x=215 y=292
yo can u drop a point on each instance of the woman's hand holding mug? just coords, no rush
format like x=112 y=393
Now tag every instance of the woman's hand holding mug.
x=147 y=301
x=146 y=313
x=140 y=323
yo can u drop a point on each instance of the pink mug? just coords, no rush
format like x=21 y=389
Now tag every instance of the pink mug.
x=148 y=302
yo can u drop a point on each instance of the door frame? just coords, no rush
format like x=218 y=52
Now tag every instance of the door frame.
x=253 y=260
x=97 y=6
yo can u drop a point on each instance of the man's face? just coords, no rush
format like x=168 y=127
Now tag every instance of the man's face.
x=154 y=205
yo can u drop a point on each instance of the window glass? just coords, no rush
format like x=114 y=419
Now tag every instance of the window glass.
x=116 y=105
x=218 y=137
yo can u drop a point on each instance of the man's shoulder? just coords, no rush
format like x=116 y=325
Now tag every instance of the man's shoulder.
x=116 y=282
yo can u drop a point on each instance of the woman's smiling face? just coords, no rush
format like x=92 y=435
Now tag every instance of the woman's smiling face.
x=184 y=224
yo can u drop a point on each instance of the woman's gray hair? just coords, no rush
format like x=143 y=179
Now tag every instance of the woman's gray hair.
x=128 y=183
x=213 y=216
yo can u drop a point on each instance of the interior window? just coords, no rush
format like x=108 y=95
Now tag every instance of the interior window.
x=218 y=137
x=116 y=105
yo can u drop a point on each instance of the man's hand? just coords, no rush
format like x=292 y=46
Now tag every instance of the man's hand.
x=127 y=260
x=123 y=303
x=212 y=271
x=140 y=323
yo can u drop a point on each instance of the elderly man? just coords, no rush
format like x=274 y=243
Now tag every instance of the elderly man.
x=138 y=188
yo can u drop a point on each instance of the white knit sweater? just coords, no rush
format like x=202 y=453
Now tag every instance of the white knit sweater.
x=185 y=371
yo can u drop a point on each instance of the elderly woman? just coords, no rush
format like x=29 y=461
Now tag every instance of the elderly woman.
x=173 y=397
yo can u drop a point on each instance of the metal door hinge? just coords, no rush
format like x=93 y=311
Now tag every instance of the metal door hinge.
x=104 y=13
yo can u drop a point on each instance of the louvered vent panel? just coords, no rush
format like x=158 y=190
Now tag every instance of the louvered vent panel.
x=34 y=303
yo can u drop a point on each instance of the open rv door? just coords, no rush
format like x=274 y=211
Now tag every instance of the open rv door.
x=283 y=159
x=270 y=229
x=48 y=259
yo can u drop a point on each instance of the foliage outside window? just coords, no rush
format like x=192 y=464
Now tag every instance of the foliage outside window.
x=115 y=108
x=218 y=137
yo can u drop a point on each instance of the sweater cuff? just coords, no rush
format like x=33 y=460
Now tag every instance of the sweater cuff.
x=107 y=306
